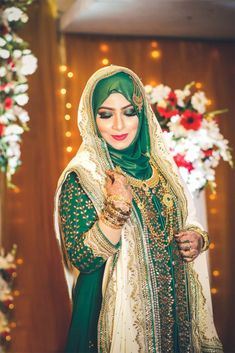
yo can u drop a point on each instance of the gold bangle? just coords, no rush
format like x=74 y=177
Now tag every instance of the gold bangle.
x=203 y=234
x=118 y=198
x=109 y=223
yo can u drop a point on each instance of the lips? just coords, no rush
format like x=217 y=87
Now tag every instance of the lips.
x=120 y=137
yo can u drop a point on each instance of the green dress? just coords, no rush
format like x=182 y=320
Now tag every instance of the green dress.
x=168 y=279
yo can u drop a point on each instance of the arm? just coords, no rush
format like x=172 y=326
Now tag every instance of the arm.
x=87 y=246
x=193 y=239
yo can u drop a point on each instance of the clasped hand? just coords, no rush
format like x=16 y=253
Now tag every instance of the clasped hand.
x=117 y=186
x=190 y=244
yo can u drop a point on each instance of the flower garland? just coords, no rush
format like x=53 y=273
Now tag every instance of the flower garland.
x=16 y=63
x=7 y=276
x=191 y=133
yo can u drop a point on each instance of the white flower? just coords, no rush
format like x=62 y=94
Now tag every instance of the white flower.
x=26 y=51
x=13 y=162
x=8 y=37
x=180 y=95
x=24 y=116
x=160 y=93
x=196 y=180
x=24 y=18
x=4 y=54
x=7 y=117
x=148 y=89
x=17 y=53
x=199 y=102
x=13 y=129
x=193 y=153
x=184 y=173
x=21 y=88
x=21 y=99
x=2 y=42
x=28 y=64
x=13 y=13
x=3 y=71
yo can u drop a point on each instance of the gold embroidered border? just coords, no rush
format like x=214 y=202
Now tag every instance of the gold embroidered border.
x=99 y=244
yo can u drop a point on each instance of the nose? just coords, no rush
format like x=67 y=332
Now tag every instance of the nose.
x=118 y=122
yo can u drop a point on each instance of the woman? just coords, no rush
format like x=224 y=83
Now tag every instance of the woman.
x=127 y=224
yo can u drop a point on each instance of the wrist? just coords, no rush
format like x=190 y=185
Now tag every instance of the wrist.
x=202 y=233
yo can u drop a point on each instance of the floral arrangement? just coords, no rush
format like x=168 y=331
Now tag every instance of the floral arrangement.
x=191 y=133
x=16 y=63
x=7 y=276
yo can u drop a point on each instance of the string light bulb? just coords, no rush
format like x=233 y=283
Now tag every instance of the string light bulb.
x=8 y=338
x=68 y=134
x=212 y=246
x=208 y=102
x=216 y=273
x=212 y=197
x=154 y=44
x=63 y=68
x=69 y=149
x=198 y=85
x=155 y=54
x=213 y=210
x=70 y=74
x=214 y=290
x=68 y=105
x=63 y=91
x=104 y=47
x=105 y=61
x=19 y=261
x=67 y=117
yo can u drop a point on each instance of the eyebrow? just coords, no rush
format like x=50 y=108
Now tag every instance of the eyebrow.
x=112 y=109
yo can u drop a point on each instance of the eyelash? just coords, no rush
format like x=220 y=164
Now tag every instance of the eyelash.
x=106 y=115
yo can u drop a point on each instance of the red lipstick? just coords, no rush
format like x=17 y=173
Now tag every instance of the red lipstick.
x=119 y=137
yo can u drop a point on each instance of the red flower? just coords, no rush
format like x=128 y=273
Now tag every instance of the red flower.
x=172 y=99
x=8 y=103
x=181 y=162
x=11 y=63
x=191 y=120
x=208 y=153
x=1 y=129
x=167 y=114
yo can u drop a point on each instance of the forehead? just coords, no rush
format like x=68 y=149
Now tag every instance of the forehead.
x=115 y=100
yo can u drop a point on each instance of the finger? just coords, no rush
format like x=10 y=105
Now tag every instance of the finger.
x=188 y=253
x=184 y=246
x=110 y=174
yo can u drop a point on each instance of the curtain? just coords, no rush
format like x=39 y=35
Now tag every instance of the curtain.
x=42 y=309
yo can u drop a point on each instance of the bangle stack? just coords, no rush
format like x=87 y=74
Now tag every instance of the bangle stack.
x=113 y=216
x=203 y=234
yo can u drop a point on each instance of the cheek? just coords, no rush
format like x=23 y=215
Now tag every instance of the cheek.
x=133 y=124
x=102 y=125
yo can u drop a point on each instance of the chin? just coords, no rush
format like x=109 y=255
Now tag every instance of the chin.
x=119 y=145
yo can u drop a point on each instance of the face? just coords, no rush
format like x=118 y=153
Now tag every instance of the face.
x=117 y=121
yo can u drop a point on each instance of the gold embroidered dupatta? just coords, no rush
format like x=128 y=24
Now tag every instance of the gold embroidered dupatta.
x=128 y=322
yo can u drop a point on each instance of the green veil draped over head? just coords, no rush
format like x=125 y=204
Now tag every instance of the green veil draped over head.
x=134 y=159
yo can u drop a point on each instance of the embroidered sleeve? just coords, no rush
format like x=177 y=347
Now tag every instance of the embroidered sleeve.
x=87 y=247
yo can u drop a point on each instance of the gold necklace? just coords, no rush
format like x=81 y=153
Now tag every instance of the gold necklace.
x=145 y=185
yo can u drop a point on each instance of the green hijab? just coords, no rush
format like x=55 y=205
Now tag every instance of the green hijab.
x=134 y=160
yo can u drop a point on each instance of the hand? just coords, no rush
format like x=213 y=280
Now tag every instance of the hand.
x=190 y=244
x=116 y=185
